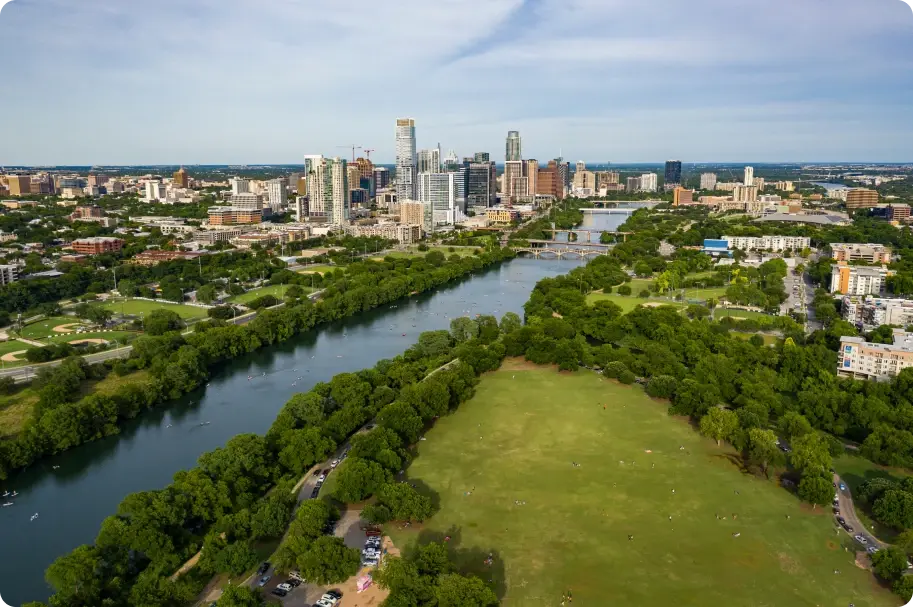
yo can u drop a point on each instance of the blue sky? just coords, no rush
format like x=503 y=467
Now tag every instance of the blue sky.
x=256 y=81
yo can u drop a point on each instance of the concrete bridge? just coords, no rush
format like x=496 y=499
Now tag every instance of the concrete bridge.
x=562 y=253
x=589 y=233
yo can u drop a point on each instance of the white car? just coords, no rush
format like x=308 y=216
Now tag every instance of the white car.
x=334 y=463
x=323 y=603
x=861 y=539
x=286 y=587
x=329 y=598
x=322 y=477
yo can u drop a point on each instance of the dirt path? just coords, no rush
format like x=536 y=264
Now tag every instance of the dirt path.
x=67 y=328
x=31 y=342
x=12 y=357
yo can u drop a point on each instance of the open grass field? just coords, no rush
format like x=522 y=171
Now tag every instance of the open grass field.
x=518 y=439
x=137 y=307
x=121 y=336
x=277 y=291
x=15 y=410
x=625 y=302
x=318 y=268
x=769 y=340
x=721 y=312
x=43 y=328
x=13 y=345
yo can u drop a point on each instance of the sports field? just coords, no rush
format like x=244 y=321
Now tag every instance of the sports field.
x=318 y=268
x=277 y=291
x=121 y=336
x=570 y=481
x=44 y=328
x=137 y=307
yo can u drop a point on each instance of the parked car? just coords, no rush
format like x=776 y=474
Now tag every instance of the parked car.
x=334 y=463
x=335 y=593
x=315 y=492
x=322 y=477
x=842 y=486
x=329 y=598
x=861 y=539
x=279 y=592
x=285 y=586
x=323 y=603
x=264 y=567
x=871 y=549
x=264 y=580
x=841 y=520
x=296 y=576
x=293 y=582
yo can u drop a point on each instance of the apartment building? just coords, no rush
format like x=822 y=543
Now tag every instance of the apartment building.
x=225 y=216
x=858 y=280
x=214 y=236
x=860 y=359
x=708 y=181
x=412 y=213
x=861 y=198
x=870 y=252
x=764 y=243
x=97 y=245
x=870 y=312
x=404 y=233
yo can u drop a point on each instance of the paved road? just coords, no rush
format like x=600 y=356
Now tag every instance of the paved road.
x=848 y=512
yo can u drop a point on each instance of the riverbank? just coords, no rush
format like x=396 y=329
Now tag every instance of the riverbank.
x=357 y=292
x=90 y=481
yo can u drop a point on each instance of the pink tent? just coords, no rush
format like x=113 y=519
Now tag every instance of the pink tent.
x=363 y=582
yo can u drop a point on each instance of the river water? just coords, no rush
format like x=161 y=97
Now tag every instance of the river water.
x=73 y=492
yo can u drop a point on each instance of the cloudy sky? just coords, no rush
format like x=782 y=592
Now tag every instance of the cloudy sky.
x=267 y=81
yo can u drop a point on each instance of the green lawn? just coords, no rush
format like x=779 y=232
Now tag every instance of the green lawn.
x=137 y=307
x=13 y=345
x=639 y=284
x=15 y=410
x=277 y=291
x=721 y=312
x=769 y=340
x=43 y=328
x=319 y=268
x=625 y=302
x=517 y=439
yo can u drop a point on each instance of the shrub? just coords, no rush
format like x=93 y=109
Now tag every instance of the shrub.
x=661 y=386
x=626 y=377
x=624 y=290
x=614 y=369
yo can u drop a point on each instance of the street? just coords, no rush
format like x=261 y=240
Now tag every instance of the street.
x=848 y=512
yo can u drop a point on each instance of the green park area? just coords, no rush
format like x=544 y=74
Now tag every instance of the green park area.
x=573 y=482
x=719 y=313
x=318 y=268
x=120 y=336
x=7 y=350
x=142 y=307
x=277 y=291
x=627 y=302
x=769 y=340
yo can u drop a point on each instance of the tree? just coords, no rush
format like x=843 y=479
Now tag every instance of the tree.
x=661 y=386
x=763 y=450
x=510 y=322
x=816 y=488
x=402 y=419
x=329 y=561
x=159 y=322
x=463 y=329
x=235 y=595
x=624 y=290
x=311 y=519
x=454 y=590
x=357 y=479
x=889 y=563
x=206 y=293
x=404 y=502
x=793 y=425
x=75 y=578
x=98 y=315
x=894 y=508
x=719 y=424
x=810 y=454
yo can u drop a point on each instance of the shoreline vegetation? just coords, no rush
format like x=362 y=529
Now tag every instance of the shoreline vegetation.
x=63 y=417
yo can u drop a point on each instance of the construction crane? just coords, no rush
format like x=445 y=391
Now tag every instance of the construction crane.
x=367 y=152
x=353 y=146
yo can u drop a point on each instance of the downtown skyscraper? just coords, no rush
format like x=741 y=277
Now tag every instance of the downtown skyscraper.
x=512 y=151
x=673 y=175
x=405 y=159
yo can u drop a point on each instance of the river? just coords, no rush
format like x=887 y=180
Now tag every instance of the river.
x=73 y=492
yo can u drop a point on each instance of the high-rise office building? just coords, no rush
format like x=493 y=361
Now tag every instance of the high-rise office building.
x=181 y=178
x=381 y=178
x=19 y=185
x=512 y=151
x=277 y=190
x=564 y=169
x=353 y=177
x=155 y=191
x=749 y=176
x=405 y=159
x=548 y=182
x=365 y=167
x=708 y=181
x=513 y=173
x=302 y=208
x=310 y=163
x=584 y=180
x=451 y=162
x=481 y=180
x=239 y=186
x=429 y=161
x=632 y=184
x=673 y=175
x=745 y=193
x=531 y=172
x=481 y=157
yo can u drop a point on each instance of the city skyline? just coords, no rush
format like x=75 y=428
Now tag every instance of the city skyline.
x=168 y=83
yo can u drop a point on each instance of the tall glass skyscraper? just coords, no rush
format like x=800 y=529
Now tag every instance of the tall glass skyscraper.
x=405 y=159
x=673 y=173
x=512 y=148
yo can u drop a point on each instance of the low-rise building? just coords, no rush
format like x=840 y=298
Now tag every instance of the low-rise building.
x=225 y=216
x=870 y=312
x=858 y=280
x=8 y=274
x=264 y=239
x=404 y=233
x=860 y=359
x=870 y=252
x=210 y=237
x=153 y=256
x=861 y=198
x=501 y=215
x=764 y=243
x=97 y=245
